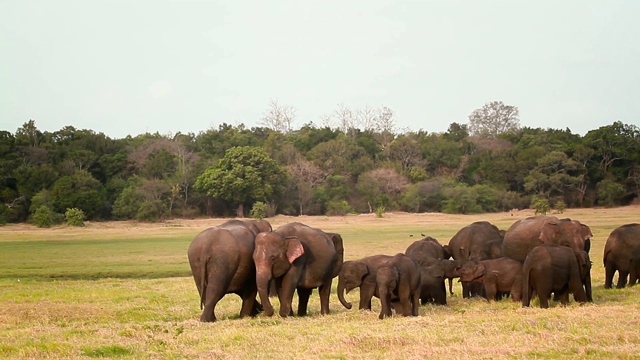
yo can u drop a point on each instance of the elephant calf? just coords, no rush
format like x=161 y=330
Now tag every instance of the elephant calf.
x=499 y=276
x=399 y=278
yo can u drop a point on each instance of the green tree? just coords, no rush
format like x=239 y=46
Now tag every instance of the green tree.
x=79 y=190
x=244 y=175
x=609 y=192
x=554 y=173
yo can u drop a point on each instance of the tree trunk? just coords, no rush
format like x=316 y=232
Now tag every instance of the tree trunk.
x=240 y=210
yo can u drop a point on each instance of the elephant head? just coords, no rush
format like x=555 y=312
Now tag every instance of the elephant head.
x=471 y=270
x=273 y=257
x=567 y=232
x=350 y=277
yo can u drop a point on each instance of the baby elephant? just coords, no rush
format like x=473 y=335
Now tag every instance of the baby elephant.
x=399 y=278
x=499 y=276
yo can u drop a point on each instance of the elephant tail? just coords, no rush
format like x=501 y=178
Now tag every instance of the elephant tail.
x=203 y=282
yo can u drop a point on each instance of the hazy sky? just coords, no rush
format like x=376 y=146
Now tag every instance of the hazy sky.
x=128 y=67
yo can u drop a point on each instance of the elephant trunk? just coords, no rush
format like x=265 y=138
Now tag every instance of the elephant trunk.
x=341 y=291
x=263 y=279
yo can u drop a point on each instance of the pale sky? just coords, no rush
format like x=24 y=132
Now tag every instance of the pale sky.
x=130 y=67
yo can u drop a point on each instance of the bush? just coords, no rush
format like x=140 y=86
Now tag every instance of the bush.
x=74 y=217
x=43 y=217
x=338 y=207
x=540 y=204
x=560 y=206
x=609 y=192
x=259 y=210
x=151 y=210
x=380 y=211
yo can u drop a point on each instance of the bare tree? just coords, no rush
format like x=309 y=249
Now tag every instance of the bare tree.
x=308 y=176
x=385 y=125
x=279 y=118
x=366 y=118
x=493 y=119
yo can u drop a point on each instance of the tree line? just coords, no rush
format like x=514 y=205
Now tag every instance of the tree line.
x=355 y=162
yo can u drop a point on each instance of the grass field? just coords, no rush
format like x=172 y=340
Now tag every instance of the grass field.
x=123 y=290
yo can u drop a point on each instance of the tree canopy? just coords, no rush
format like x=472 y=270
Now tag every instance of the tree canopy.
x=355 y=162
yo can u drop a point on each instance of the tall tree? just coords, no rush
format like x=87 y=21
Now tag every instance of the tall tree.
x=493 y=119
x=245 y=174
x=279 y=117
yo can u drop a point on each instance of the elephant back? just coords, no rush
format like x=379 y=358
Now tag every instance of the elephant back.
x=425 y=252
x=475 y=233
x=524 y=235
x=621 y=242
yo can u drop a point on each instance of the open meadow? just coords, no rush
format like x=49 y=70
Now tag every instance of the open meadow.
x=124 y=290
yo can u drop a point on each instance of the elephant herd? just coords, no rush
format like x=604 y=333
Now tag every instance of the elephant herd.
x=536 y=256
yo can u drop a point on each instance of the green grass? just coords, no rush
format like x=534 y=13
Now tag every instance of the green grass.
x=120 y=291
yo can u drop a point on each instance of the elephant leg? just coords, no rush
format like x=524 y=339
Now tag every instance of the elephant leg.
x=213 y=295
x=466 y=290
x=285 y=295
x=366 y=293
x=415 y=303
x=248 y=302
x=609 y=272
x=622 y=279
x=491 y=291
x=303 y=301
x=325 y=293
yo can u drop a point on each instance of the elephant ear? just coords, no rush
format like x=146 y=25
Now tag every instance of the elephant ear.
x=294 y=248
x=480 y=271
x=360 y=271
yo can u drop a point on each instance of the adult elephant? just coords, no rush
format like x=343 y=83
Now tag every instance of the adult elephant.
x=467 y=238
x=430 y=255
x=552 y=268
x=297 y=257
x=426 y=251
x=618 y=250
x=221 y=261
x=360 y=273
x=498 y=276
x=528 y=233
x=399 y=278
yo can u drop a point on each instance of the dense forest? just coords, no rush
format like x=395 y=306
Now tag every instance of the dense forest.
x=355 y=162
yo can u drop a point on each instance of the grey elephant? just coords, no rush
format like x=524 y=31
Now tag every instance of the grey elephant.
x=464 y=241
x=221 y=261
x=430 y=255
x=360 y=273
x=432 y=288
x=552 y=269
x=296 y=257
x=621 y=244
x=399 y=278
x=498 y=276
x=528 y=233
x=426 y=251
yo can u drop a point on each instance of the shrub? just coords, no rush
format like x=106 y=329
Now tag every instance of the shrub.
x=380 y=211
x=560 y=206
x=338 y=207
x=151 y=210
x=259 y=210
x=540 y=204
x=74 y=217
x=43 y=217
x=609 y=192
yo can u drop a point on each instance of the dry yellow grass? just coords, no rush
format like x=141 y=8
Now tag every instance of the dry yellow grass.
x=157 y=318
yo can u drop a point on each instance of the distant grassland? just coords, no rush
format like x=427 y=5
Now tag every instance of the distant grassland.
x=123 y=290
